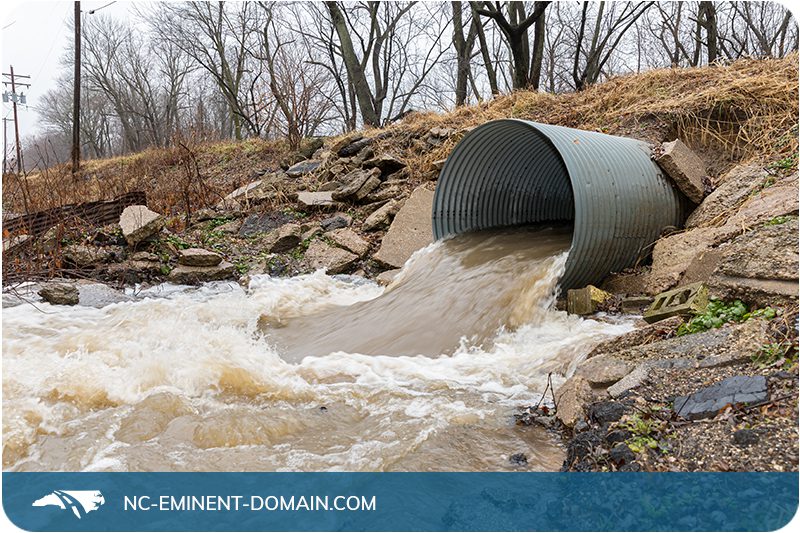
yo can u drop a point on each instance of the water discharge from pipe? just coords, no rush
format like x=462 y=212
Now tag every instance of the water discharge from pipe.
x=422 y=375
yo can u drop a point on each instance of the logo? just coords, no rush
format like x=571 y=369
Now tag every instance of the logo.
x=80 y=501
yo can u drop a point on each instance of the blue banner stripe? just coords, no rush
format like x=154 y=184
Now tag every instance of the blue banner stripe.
x=741 y=501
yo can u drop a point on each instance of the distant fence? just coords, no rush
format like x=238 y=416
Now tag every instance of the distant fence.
x=97 y=213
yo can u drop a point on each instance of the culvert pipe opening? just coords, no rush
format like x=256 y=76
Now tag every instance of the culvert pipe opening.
x=514 y=172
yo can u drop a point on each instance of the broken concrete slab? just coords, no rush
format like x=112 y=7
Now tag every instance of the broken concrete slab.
x=198 y=257
x=603 y=370
x=382 y=216
x=349 y=240
x=138 y=223
x=683 y=301
x=411 y=229
x=708 y=401
x=586 y=300
x=333 y=260
x=315 y=199
x=685 y=168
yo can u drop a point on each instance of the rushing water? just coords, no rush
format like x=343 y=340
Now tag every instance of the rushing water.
x=306 y=373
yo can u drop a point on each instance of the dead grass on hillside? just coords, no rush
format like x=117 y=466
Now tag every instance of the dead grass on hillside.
x=728 y=112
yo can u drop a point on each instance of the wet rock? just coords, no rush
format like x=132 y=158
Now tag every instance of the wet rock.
x=745 y=437
x=621 y=454
x=385 y=278
x=603 y=370
x=336 y=221
x=315 y=199
x=411 y=229
x=263 y=223
x=388 y=164
x=684 y=167
x=605 y=412
x=333 y=260
x=570 y=399
x=284 y=238
x=708 y=401
x=100 y=295
x=381 y=216
x=187 y=275
x=586 y=300
x=349 y=240
x=518 y=459
x=198 y=257
x=60 y=293
x=302 y=168
x=138 y=223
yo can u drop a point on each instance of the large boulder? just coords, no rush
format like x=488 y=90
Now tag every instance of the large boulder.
x=138 y=223
x=411 y=229
x=333 y=260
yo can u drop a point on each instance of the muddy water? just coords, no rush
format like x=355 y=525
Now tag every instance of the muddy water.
x=341 y=375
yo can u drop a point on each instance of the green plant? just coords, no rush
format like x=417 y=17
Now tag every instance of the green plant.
x=242 y=267
x=773 y=353
x=218 y=221
x=644 y=431
x=777 y=221
x=787 y=163
x=177 y=242
x=719 y=312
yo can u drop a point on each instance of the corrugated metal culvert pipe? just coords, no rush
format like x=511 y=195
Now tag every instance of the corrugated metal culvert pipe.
x=514 y=172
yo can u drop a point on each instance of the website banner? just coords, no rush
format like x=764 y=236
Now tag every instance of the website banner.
x=400 y=501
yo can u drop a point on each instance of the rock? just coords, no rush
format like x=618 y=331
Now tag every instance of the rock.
x=285 y=238
x=315 y=199
x=358 y=184
x=603 y=370
x=60 y=293
x=245 y=196
x=586 y=300
x=411 y=229
x=187 y=275
x=229 y=227
x=605 y=412
x=381 y=216
x=263 y=223
x=333 y=260
x=51 y=239
x=138 y=223
x=734 y=188
x=336 y=221
x=570 y=398
x=382 y=194
x=329 y=186
x=631 y=381
x=144 y=256
x=439 y=165
x=638 y=337
x=684 y=167
x=302 y=168
x=84 y=255
x=779 y=199
x=745 y=437
x=618 y=435
x=708 y=401
x=387 y=163
x=345 y=141
x=672 y=255
x=385 y=278
x=581 y=447
x=198 y=257
x=100 y=295
x=684 y=301
x=621 y=454
x=518 y=459
x=349 y=240
x=355 y=147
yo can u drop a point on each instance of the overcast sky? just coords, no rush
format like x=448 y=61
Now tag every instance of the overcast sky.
x=35 y=35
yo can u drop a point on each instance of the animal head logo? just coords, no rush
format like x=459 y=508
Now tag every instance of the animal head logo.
x=79 y=501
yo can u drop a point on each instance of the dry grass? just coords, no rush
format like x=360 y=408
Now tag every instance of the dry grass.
x=729 y=113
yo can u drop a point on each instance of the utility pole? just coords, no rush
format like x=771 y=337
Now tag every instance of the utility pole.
x=76 y=94
x=14 y=98
x=5 y=144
